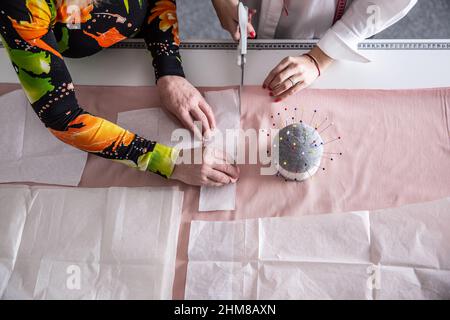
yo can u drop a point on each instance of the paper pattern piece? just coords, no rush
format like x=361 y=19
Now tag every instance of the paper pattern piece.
x=226 y=109
x=156 y=125
x=66 y=243
x=29 y=152
x=400 y=253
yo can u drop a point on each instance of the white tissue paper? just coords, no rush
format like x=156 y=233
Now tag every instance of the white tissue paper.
x=156 y=125
x=401 y=253
x=63 y=243
x=226 y=110
x=29 y=152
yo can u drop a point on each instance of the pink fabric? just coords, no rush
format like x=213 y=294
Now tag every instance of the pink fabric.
x=395 y=144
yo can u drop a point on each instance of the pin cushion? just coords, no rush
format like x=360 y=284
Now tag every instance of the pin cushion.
x=297 y=151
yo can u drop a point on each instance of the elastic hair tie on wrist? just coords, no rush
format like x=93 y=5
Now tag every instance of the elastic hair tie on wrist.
x=315 y=62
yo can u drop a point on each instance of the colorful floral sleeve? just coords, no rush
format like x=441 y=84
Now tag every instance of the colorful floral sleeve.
x=162 y=38
x=26 y=29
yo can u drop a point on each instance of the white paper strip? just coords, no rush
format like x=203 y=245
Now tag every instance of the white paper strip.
x=226 y=109
x=29 y=152
x=388 y=254
x=116 y=243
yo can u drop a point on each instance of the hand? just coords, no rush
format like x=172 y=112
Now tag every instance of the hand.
x=181 y=99
x=214 y=169
x=293 y=74
x=227 y=11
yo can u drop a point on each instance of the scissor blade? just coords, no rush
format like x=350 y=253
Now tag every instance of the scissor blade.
x=241 y=85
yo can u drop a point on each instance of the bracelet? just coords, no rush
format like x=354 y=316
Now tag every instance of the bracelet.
x=316 y=63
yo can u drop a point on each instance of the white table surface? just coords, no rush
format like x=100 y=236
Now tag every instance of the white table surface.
x=396 y=64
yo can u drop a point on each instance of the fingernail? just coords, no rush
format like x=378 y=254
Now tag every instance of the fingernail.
x=252 y=34
x=277 y=100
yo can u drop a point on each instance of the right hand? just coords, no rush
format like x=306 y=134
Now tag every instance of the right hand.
x=214 y=169
x=185 y=102
x=227 y=11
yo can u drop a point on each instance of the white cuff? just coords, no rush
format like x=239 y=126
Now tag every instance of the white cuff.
x=340 y=43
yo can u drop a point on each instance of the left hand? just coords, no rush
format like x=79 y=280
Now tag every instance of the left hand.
x=184 y=101
x=293 y=74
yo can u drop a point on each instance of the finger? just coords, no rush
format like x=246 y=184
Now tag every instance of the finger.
x=211 y=183
x=230 y=170
x=205 y=107
x=280 y=67
x=295 y=89
x=283 y=76
x=218 y=177
x=198 y=115
x=251 y=30
x=235 y=32
x=187 y=121
x=287 y=84
x=219 y=156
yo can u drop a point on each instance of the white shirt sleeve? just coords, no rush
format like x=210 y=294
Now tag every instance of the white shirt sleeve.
x=363 y=19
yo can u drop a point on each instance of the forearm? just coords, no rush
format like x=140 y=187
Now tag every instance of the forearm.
x=162 y=38
x=108 y=140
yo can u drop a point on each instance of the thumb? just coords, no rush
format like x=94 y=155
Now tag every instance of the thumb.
x=251 y=31
x=235 y=34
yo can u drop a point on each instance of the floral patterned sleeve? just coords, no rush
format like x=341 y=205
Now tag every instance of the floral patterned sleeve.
x=162 y=38
x=36 y=35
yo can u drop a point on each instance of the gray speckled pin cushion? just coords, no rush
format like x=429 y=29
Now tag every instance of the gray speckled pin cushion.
x=297 y=151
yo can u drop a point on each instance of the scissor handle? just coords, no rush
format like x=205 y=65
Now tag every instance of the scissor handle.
x=243 y=23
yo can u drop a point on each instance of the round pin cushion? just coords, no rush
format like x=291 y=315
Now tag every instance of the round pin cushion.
x=299 y=149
